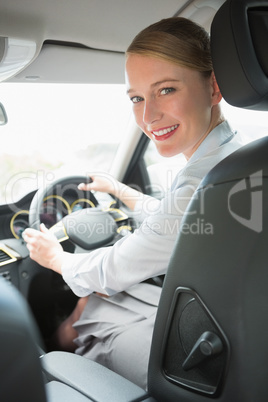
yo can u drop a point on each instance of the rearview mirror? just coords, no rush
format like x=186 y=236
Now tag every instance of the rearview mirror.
x=3 y=115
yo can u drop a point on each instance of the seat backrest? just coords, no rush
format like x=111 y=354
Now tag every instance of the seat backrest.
x=20 y=369
x=211 y=331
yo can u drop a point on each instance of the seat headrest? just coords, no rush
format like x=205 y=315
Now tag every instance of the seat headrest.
x=239 y=38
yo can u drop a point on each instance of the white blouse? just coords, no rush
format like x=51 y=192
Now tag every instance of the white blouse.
x=146 y=252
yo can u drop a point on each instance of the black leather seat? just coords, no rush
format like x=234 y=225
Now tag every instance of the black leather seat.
x=20 y=368
x=215 y=292
x=211 y=331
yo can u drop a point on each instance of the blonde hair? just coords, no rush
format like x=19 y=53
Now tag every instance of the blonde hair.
x=176 y=40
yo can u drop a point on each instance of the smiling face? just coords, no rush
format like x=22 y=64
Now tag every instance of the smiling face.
x=176 y=107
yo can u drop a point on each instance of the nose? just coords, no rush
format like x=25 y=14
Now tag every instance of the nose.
x=151 y=112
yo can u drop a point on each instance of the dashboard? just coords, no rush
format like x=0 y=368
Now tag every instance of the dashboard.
x=54 y=208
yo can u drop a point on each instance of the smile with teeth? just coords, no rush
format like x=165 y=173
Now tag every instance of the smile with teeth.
x=165 y=131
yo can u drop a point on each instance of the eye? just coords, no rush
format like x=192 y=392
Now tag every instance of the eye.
x=136 y=99
x=166 y=91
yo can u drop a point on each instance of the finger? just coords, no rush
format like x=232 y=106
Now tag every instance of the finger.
x=29 y=233
x=84 y=186
x=31 y=249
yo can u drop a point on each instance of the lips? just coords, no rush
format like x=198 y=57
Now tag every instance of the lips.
x=164 y=133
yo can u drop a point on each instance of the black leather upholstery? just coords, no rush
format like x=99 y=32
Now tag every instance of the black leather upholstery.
x=215 y=292
x=20 y=368
x=224 y=271
x=239 y=35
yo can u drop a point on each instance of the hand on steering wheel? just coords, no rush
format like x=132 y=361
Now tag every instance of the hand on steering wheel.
x=102 y=182
x=88 y=228
x=44 y=248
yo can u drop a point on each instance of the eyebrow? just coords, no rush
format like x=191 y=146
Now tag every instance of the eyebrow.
x=157 y=83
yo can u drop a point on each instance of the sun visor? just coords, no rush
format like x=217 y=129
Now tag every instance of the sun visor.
x=239 y=35
x=15 y=54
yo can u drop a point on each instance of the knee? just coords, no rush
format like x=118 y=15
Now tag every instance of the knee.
x=80 y=307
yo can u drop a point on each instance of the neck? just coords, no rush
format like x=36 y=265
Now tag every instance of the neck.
x=216 y=119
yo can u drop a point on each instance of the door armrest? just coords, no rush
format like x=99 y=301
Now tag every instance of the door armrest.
x=90 y=378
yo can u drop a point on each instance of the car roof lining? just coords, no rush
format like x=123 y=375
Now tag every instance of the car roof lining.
x=90 y=36
x=92 y=66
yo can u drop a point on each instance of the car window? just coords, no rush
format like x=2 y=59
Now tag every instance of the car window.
x=56 y=130
x=162 y=171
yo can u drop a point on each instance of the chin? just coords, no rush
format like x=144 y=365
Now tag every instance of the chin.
x=167 y=153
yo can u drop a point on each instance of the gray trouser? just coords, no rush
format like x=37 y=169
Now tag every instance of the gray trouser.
x=117 y=331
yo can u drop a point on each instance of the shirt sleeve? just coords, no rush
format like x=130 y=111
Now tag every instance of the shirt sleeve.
x=136 y=257
x=145 y=207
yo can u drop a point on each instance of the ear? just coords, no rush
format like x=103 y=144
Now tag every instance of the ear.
x=216 y=93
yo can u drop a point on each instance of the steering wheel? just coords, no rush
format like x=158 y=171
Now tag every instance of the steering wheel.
x=88 y=228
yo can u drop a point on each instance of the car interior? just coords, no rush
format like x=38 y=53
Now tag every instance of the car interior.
x=210 y=335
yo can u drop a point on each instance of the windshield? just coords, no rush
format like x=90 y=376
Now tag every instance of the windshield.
x=57 y=130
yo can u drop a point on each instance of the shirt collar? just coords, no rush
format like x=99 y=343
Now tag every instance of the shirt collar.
x=220 y=135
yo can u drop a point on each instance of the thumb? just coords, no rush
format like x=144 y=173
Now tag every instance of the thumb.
x=43 y=228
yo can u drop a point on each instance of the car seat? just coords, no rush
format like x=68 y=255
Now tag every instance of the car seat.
x=210 y=336
x=211 y=331
x=20 y=368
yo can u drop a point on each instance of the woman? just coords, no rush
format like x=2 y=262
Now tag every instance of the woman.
x=175 y=97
